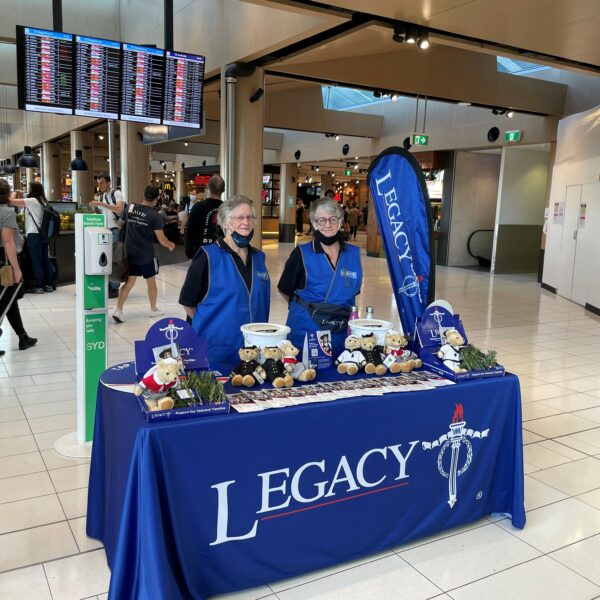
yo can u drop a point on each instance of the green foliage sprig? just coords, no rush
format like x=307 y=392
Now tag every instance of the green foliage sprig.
x=473 y=359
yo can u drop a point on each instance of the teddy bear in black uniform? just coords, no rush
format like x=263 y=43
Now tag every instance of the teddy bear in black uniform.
x=372 y=354
x=245 y=373
x=275 y=369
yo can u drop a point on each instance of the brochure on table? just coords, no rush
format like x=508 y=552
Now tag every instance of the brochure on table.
x=430 y=330
x=172 y=337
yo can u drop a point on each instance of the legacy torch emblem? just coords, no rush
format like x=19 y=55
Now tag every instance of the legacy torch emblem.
x=454 y=439
x=171 y=331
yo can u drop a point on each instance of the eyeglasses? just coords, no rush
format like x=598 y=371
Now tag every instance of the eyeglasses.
x=324 y=220
x=240 y=218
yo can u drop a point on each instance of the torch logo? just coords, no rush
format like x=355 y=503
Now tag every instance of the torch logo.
x=454 y=439
x=171 y=331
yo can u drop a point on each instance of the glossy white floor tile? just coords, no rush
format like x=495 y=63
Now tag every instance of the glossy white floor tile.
x=44 y=550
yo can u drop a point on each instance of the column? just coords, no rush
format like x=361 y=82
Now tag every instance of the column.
x=327 y=183
x=82 y=181
x=135 y=172
x=287 y=203
x=373 y=240
x=180 y=189
x=52 y=180
x=248 y=154
x=30 y=174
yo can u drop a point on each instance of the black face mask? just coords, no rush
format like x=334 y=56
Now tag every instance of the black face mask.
x=242 y=241
x=327 y=241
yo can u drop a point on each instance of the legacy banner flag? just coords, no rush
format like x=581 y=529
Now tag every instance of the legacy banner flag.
x=406 y=228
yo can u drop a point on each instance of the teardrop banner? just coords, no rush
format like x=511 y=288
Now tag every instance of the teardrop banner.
x=406 y=227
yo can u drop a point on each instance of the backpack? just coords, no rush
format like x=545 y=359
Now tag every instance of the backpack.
x=50 y=225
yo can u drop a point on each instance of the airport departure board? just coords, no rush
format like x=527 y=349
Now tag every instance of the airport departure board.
x=45 y=70
x=142 y=79
x=97 y=77
x=184 y=79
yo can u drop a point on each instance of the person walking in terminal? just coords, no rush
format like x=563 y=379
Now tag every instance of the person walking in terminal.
x=111 y=204
x=322 y=278
x=11 y=243
x=142 y=222
x=37 y=245
x=227 y=284
x=202 y=225
x=353 y=220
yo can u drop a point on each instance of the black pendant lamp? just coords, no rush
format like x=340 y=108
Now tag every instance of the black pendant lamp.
x=78 y=164
x=27 y=160
x=8 y=169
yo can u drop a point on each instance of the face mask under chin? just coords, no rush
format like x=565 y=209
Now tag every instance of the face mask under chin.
x=242 y=241
x=328 y=241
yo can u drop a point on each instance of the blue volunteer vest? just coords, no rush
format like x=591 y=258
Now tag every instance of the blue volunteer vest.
x=347 y=279
x=228 y=305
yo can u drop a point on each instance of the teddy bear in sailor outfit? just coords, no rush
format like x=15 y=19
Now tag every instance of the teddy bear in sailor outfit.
x=351 y=360
x=449 y=353
x=158 y=381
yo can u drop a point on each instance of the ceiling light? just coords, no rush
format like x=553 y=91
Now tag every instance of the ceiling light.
x=510 y=114
x=463 y=104
x=498 y=111
x=399 y=34
x=317 y=168
x=411 y=35
x=100 y=137
x=337 y=137
x=185 y=144
x=356 y=166
x=386 y=95
x=394 y=97
x=377 y=94
x=27 y=160
x=78 y=164
x=423 y=41
x=9 y=169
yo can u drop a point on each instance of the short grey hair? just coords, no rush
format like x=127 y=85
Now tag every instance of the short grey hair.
x=326 y=205
x=229 y=206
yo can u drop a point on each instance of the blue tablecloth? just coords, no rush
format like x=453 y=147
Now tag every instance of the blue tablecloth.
x=191 y=508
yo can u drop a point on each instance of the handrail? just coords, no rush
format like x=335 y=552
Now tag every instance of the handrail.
x=483 y=261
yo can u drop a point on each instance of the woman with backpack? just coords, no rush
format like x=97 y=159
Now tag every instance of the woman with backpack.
x=37 y=244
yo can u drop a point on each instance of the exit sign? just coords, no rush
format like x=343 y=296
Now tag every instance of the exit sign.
x=348 y=172
x=420 y=139
x=512 y=136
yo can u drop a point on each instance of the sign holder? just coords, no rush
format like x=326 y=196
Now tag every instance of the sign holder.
x=91 y=315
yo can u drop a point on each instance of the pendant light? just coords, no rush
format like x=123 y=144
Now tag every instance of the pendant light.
x=78 y=164
x=27 y=160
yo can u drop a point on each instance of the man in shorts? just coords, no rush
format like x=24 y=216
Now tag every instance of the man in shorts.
x=142 y=221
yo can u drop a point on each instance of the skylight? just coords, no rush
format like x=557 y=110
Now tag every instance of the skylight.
x=341 y=98
x=517 y=67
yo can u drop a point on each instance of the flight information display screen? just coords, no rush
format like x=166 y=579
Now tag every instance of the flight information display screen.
x=184 y=80
x=142 y=80
x=45 y=70
x=97 y=77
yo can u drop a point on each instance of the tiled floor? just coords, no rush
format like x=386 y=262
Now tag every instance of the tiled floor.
x=552 y=344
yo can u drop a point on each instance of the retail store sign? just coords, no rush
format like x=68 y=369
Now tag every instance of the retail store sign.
x=512 y=136
x=419 y=139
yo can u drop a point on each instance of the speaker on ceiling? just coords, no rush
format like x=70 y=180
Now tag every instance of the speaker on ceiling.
x=493 y=134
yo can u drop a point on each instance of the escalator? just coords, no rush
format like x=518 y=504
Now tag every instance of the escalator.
x=480 y=245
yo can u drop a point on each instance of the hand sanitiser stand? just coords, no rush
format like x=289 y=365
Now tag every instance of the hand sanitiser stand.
x=93 y=264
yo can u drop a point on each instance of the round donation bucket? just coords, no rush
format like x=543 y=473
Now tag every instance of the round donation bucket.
x=264 y=334
x=360 y=327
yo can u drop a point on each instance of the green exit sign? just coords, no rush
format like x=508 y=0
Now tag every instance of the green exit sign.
x=348 y=172
x=420 y=139
x=512 y=136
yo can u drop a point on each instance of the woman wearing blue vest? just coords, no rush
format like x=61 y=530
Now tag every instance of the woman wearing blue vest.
x=322 y=278
x=227 y=284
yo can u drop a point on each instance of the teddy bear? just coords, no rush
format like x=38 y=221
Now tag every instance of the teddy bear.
x=351 y=360
x=372 y=354
x=274 y=368
x=157 y=382
x=449 y=353
x=247 y=370
x=293 y=365
x=395 y=346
